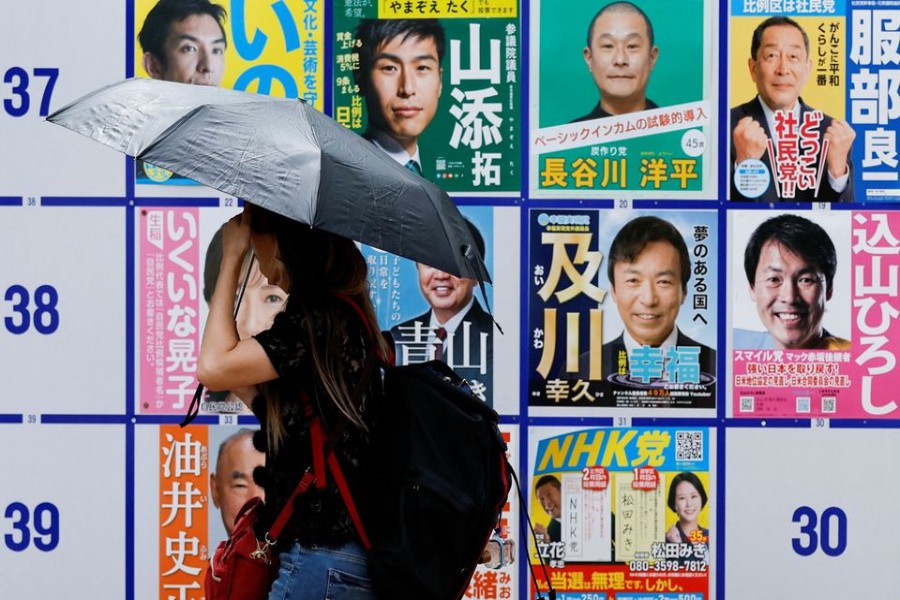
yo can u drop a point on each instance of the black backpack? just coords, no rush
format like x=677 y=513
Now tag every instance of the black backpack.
x=437 y=479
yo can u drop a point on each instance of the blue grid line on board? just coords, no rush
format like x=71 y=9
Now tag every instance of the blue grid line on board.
x=572 y=421
x=174 y=419
x=11 y=201
x=721 y=492
x=774 y=423
x=646 y=203
x=85 y=201
x=326 y=60
x=675 y=421
x=11 y=419
x=70 y=419
x=522 y=458
x=202 y=202
x=130 y=457
x=510 y=420
x=864 y=424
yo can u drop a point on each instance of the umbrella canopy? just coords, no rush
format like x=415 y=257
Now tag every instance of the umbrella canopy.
x=283 y=155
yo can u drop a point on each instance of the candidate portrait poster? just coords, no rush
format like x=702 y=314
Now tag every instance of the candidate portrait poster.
x=804 y=346
x=178 y=252
x=275 y=49
x=468 y=136
x=820 y=114
x=627 y=512
x=407 y=296
x=666 y=150
x=644 y=344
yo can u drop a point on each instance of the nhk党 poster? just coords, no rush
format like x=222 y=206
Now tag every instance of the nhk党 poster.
x=628 y=512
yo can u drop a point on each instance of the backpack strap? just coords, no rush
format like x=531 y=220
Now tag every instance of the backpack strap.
x=323 y=443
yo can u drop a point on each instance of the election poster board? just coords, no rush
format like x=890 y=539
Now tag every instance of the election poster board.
x=580 y=147
x=463 y=110
x=627 y=511
x=102 y=304
x=641 y=341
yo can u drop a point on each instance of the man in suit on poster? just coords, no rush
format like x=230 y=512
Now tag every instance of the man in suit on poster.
x=183 y=41
x=456 y=329
x=779 y=66
x=649 y=268
x=620 y=55
x=399 y=76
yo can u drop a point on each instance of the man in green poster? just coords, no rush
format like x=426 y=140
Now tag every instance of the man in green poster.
x=399 y=76
x=620 y=54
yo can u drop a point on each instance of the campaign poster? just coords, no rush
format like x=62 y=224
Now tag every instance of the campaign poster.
x=500 y=577
x=792 y=138
x=623 y=104
x=622 y=512
x=622 y=310
x=815 y=307
x=270 y=48
x=446 y=98
x=178 y=253
x=415 y=302
x=873 y=71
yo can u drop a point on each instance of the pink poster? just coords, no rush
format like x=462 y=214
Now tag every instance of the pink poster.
x=168 y=298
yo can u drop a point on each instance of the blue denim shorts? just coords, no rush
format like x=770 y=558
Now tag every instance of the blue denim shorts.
x=312 y=572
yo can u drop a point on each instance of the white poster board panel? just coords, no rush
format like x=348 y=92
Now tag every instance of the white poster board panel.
x=53 y=54
x=807 y=516
x=62 y=511
x=62 y=316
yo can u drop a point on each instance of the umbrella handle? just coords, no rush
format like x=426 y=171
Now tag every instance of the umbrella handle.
x=194 y=407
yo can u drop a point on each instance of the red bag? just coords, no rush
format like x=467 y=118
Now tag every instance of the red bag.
x=242 y=568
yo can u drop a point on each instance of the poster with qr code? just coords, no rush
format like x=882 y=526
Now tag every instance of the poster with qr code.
x=814 y=312
x=623 y=509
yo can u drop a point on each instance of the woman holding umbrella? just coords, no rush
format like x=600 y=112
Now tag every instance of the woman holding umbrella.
x=317 y=345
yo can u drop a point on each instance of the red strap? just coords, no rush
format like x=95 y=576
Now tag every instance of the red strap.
x=288 y=510
x=317 y=437
x=338 y=475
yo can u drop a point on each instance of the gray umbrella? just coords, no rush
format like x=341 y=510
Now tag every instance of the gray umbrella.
x=285 y=156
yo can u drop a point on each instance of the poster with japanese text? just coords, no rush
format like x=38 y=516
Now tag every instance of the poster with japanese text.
x=491 y=581
x=623 y=511
x=194 y=481
x=271 y=48
x=434 y=83
x=815 y=308
x=622 y=101
x=805 y=507
x=792 y=135
x=178 y=252
x=435 y=315
x=622 y=310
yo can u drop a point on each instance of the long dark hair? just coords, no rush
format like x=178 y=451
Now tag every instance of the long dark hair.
x=319 y=266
